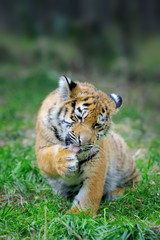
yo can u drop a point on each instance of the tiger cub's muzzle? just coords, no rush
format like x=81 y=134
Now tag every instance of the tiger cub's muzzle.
x=77 y=144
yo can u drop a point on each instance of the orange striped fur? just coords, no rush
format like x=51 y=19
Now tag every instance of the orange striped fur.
x=75 y=148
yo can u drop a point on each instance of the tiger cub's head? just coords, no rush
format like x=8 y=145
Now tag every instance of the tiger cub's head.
x=83 y=114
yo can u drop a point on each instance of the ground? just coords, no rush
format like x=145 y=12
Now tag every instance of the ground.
x=28 y=208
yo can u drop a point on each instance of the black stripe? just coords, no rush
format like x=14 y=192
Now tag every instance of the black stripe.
x=66 y=111
x=88 y=158
x=67 y=140
x=60 y=110
x=72 y=85
x=79 y=117
x=129 y=181
x=86 y=98
x=87 y=104
x=98 y=125
x=128 y=176
x=71 y=134
x=72 y=118
x=79 y=109
x=67 y=123
x=73 y=105
x=57 y=135
x=102 y=129
x=53 y=128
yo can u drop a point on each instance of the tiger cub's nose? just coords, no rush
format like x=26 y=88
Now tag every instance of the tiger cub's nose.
x=83 y=140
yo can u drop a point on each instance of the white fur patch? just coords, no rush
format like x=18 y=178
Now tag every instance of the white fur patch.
x=63 y=88
x=80 y=197
x=62 y=82
x=73 y=166
x=69 y=80
x=115 y=97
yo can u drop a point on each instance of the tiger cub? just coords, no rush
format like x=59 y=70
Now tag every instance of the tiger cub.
x=75 y=149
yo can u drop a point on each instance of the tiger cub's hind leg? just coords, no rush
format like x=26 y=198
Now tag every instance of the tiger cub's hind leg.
x=130 y=182
x=118 y=192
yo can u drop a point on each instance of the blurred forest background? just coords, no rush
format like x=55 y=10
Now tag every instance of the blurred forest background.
x=113 y=44
x=82 y=35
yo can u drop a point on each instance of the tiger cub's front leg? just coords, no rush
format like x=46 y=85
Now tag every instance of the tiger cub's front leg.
x=90 y=194
x=55 y=160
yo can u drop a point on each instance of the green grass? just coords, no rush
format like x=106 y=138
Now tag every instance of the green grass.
x=28 y=208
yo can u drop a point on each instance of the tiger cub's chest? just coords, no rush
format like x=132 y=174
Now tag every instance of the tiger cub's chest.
x=67 y=187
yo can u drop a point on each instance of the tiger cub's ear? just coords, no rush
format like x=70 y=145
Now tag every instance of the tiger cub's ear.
x=66 y=85
x=117 y=100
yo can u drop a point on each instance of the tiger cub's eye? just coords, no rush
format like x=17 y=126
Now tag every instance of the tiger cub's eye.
x=79 y=118
x=97 y=125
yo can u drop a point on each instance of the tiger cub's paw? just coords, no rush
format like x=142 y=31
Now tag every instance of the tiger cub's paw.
x=72 y=164
x=67 y=164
